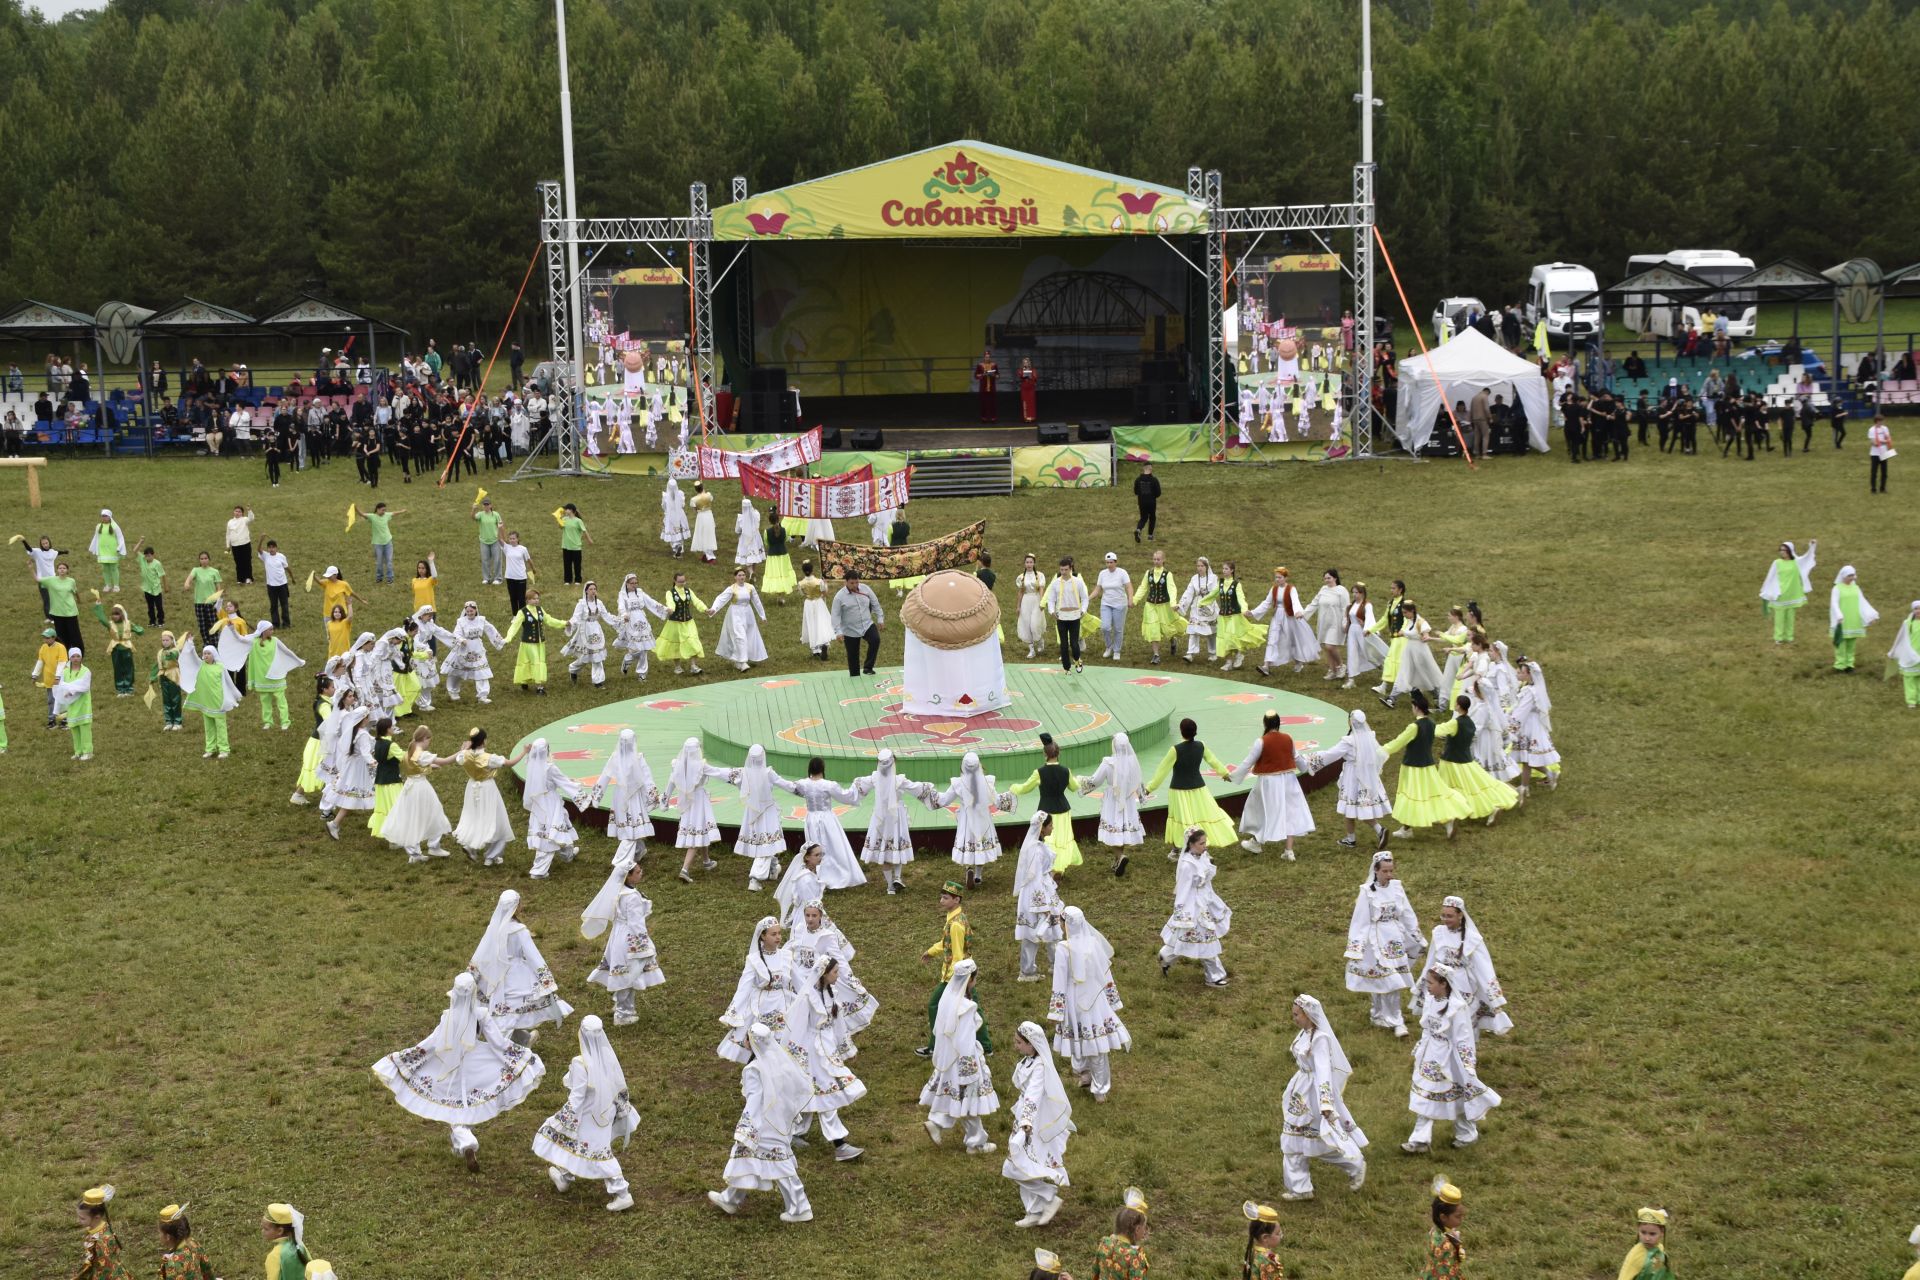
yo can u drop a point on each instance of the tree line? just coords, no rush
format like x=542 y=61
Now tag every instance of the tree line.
x=384 y=152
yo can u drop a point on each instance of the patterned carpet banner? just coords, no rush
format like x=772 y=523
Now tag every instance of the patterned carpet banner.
x=957 y=550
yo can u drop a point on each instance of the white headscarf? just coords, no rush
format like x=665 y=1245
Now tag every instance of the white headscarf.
x=956 y=1024
x=489 y=961
x=689 y=768
x=458 y=1029
x=1373 y=868
x=756 y=783
x=74 y=686
x=627 y=772
x=972 y=788
x=672 y=501
x=1126 y=767
x=1089 y=961
x=345 y=727
x=787 y=892
x=886 y=787
x=1541 y=701
x=1323 y=1030
x=539 y=771
x=1903 y=654
x=1367 y=756
x=755 y=967
x=119 y=538
x=785 y=1086
x=600 y=912
x=1470 y=939
x=606 y=1082
x=1036 y=858
x=1055 y=1115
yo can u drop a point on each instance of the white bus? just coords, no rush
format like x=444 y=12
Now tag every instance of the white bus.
x=1552 y=290
x=1658 y=315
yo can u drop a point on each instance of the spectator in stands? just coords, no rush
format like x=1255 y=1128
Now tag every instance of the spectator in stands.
x=1635 y=367
x=43 y=411
x=1902 y=371
x=11 y=431
x=17 y=382
x=79 y=386
x=1869 y=368
x=198 y=382
x=433 y=360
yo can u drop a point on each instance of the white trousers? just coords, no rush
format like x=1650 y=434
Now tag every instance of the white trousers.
x=481 y=688
x=637 y=660
x=972 y=1131
x=1100 y=1068
x=623 y=1003
x=616 y=1185
x=793 y=1196
x=1036 y=1195
x=1029 y=957
x=1294 y=1174
x=1210 y=966
x=494 y=853
x=1463 y=1130
x=1386 y=1010
x=599 y=666
x=543 y=858
x=831 y=1127
x=462 y=1139
x=766 y=869
x=1198 y=643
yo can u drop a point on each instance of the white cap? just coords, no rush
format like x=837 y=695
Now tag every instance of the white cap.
x=108 y=514
x=333 y=571
x=1112 y=556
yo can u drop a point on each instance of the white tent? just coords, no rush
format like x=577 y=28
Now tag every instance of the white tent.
x=1468 y=362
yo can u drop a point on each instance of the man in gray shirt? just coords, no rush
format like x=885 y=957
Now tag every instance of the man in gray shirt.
x=857 y=616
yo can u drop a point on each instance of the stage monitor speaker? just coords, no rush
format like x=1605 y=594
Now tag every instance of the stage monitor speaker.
x=1096 y=432
x=769 y=380
x=829 y=437
x=868 y=438
x=1052 y=433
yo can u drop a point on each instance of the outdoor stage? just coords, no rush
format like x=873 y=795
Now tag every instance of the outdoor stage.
x=846 y=722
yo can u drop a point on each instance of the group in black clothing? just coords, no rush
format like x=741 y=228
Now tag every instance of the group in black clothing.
x=1600 y=428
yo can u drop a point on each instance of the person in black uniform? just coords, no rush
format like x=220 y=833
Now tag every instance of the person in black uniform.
x=1146 y=493
x=1806 y=426
x=1643 y=418
x=1686 y=421
x=370 y=459
x=1574 y=413
x=1837 y=413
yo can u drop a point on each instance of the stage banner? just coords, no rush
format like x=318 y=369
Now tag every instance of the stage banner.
x=962 y=189
x=708 y=463
x=1058 y=467
x=755 y=483
x=958 y=550
x=1162 y=444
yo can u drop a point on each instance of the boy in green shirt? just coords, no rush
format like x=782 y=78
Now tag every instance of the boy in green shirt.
x=153 y=584
x=203 y=580
x=493 y=565
x=380 y=521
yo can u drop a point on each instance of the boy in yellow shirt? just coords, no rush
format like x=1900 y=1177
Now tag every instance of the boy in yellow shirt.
x=46 y=667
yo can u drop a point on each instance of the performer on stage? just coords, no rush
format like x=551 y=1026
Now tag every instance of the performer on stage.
x=1029 y=395
x=760 y=836
x=889 y=842
x=761 y=995
x=1031 y=587
x=986 y=377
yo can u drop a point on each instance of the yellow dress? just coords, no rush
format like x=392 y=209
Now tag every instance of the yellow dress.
x=423 y=593
x=339 y=636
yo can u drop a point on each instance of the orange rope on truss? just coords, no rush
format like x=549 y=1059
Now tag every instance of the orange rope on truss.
x=1421 y=338
x=466 y=424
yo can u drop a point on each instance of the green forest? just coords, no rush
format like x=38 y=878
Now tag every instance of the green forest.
x=384 y=152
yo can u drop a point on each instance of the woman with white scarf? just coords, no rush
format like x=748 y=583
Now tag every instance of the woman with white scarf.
x=468 y=660
x=1904 y=657
x=512 y=975
x=1119 y=783
x=587 y=637
x=372 y=673
x=1086 y=1004
x=1201 y=618
x=627 y=784
x=838 y=868
x=1036 y=897
x=349 y=787
x=960 y=1091
x=761 y=837
x=1328 y=609
x=687 y=787
x=1042 y=1118
x=1848 y=617
x=750 y=547
x=1361 y=793
x=976 y=841
x=813 y=1027
x=1446 y=1081
x=1417 y=670
x=577 y=1140
x=1789 y=579
x=1457 y=944
x=1201 y=918
x=464 y=1074
x=629 y=962
x=1383 y=942
x=813 y=940
x=549 y=829
x=1030 y=587
x=889 y=842
x=775 y=1088
x=762 y=994
x=800 y=885
x=1492 y=749
x=673 y=518
x=1315 y=1122
x=1365 y=651
x=1531 y=724
x=632 y=633
x=740 y=641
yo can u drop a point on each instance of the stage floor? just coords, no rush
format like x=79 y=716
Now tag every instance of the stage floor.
x=847 y=721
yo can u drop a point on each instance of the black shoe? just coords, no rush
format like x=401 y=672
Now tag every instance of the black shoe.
x=1136 y=535
x=867 y=671
x=1120 y=867
x=923 y=1052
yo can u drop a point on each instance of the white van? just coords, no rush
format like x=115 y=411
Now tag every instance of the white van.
x=1551 y=291
x=1656 y=314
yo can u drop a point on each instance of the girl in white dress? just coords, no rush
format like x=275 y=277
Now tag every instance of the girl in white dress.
x=1361 y=792
x=889 y=842
x=1200 y=916
x=818 y=531
x=687 y=787
x=629 y=962
x=816 y=619
x=627 y=784
x=960 y=1090
x=346 y=762
x=549 y=829
x=1030 y=588
x=760 y=835
x=1532 y=726
x=577 y=1140
x=418 y=817
x=880 y=526
x=1457 y=944
x=763 y=993
x=838 y=867
x=1201 y=618
x=800 y=885
x=775 y=1088
x=587 y=636
x=1118 y=781
x=1042 y=1117
x=740 y=641
x=1315 y=1122
x=1446 y=1081
x=1383 y=943
x=464 y=1074
x=814 y=1037
x=1418 y=670
x=1291 y=637
x=1492 y=733
x=750 y=548
x=468 y=660
x=811 y=942
x=633 y=634
x=976 y=842
x=705 y=541
x=673 y=517
x=512 y=976
x=1037 y=909
x=1328 y=610
x=1365 y=651
x=1086 y=1004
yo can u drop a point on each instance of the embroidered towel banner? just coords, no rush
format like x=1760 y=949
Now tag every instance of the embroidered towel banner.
x=957 y=550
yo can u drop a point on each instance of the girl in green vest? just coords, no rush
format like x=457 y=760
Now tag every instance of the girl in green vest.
x=73 y=698
x=1849 y=614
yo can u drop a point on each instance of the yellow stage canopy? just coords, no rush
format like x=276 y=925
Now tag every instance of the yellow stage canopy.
x=961 y=189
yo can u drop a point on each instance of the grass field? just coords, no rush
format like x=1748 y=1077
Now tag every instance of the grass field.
x=1706 y=933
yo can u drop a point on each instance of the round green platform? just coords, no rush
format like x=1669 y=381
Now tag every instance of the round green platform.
x=846 y=722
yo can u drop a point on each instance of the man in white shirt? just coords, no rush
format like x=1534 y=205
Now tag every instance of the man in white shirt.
x=1116 y=592
x=240 y=543
x=240 y=423
x=1066 y=600
x=279 y=585
x=516 y=559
